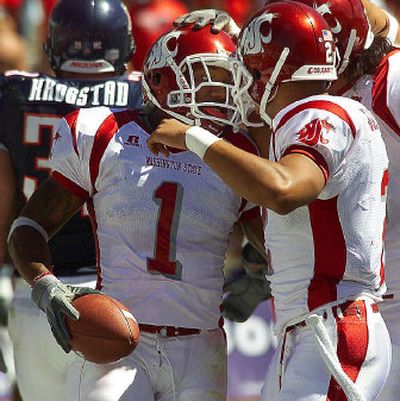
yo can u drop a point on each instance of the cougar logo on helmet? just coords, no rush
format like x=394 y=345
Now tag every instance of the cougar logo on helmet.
x=161 y=52
x=252 y=39
x=324 y=9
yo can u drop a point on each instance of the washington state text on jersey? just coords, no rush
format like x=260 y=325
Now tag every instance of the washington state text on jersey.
x=176 y=165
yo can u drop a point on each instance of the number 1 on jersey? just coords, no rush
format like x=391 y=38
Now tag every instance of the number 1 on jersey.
x=169 y=198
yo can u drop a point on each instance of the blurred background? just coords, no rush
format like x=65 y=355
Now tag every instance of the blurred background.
x=22 y=31
x=23 y=26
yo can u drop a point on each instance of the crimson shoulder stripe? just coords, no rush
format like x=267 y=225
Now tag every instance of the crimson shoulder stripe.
x=71 y=120
x=311 y=153
x=103 y=136
x=380 y=99
x=321 y=105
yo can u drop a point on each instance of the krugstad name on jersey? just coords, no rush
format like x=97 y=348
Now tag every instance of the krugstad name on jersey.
x=108 y=93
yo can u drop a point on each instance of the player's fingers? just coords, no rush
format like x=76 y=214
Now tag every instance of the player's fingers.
x=192 y=17
x=220 y=22
x=70 y=311
x=152 y=146
x=163 y=150
x=180 y=20
x=58 y=333
x=200 y=23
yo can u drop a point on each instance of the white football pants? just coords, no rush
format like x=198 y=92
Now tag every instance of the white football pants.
x=183 y=368
x=299 y=373
x=390 y=310
x=41 y=365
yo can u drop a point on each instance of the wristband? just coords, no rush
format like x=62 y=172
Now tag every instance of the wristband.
x=40 y=276
x=26 y=221
x=198 y=140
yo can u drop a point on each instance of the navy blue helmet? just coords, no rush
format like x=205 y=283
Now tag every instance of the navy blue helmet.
x=89 y=36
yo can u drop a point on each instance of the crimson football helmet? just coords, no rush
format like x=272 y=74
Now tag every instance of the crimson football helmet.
x=349 y=25
x=179 y=77
x=285 y=41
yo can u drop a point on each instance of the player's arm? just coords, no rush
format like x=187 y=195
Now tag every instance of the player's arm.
x=50 y=207
x=282 y=186
x=253 y=229
x=8 y=185
x=274 y=185
x=382 y=23
x=8 y=188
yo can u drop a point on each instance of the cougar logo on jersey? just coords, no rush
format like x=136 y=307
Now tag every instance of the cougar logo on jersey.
x=324 y=9
x=253 y=38
x=314 y=132
x=162 y=51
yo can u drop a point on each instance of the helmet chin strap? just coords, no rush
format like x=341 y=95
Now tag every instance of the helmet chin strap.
x=270 y=84
x=349 y=48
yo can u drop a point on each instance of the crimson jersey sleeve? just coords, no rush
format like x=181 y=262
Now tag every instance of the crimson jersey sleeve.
x=320 y=128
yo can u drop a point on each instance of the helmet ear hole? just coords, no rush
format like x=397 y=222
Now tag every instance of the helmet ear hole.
x=155 y=78
x=256 y=74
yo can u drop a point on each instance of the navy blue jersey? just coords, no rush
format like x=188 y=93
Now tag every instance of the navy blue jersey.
x=30 y=108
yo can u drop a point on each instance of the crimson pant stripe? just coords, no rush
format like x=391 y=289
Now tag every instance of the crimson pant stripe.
x=352 y=349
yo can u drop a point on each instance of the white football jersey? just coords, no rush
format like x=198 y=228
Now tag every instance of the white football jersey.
x=331 y=249
x=381 y=94
x=162 y=224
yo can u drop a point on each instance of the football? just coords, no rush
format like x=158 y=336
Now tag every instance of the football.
x=105 y=331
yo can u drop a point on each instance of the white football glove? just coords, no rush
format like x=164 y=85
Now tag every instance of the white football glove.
x=246 y=290
x=219 y=20
x=54 y=298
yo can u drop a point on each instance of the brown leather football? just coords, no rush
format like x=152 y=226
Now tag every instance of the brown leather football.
x=105 y=331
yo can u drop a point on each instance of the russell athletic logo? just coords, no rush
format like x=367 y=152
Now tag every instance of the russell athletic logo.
x=133 y=140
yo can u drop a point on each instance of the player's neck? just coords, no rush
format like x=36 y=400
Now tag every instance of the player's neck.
x=152 y=117
x=340 y=86
x=290 y=92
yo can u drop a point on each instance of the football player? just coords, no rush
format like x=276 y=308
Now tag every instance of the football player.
x=162 y=225
x=370 y=74
x=89 y=45
x=325 y=188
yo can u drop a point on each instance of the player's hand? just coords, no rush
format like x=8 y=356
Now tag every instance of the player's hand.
x=54 y=298
x=246 y=290
x=170 y=132
x=219 y=20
